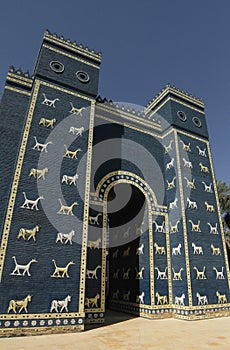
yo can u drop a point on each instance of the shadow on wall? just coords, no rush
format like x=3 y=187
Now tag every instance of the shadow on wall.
x=111 y=317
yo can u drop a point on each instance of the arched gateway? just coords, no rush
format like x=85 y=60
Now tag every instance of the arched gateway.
x=129 y=242
x=104 y=205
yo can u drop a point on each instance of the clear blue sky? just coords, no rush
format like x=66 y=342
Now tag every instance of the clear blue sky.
x=145 y=45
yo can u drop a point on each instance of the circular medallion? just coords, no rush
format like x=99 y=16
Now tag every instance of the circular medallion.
x=182 y=116
x=57 y=67
x=197 y=121
x=82 y=76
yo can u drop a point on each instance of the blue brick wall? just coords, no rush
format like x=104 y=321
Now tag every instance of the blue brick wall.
x=41 y=285
x=68 y=77
x=12 y=118
x=45 y=249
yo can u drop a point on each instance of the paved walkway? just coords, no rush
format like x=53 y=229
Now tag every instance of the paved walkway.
x=131 y=333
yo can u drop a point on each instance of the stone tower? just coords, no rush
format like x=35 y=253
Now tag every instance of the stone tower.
x=104 y=205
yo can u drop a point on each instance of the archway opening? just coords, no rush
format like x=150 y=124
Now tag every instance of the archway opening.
x=127 y=267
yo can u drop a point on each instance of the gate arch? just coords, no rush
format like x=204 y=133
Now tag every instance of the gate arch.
x=108 y=181
x=154 y=210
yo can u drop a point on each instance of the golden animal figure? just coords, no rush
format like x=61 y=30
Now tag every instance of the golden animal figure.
x=186 y=147
x=71 y=154
x=28 y=233
x=168 y=147
x=209 y=207
x=19 y=304
x=174 y=228
x=171 y=184
x=203 y=168
x=139 y=274
x=195 y=227
x=47 y=122
x=215 y=250
x=177 y=275
x=200 y=275
x=75 y=110
x=159 y=250
x=65 y=209
x=38 y=173
x=161 y=299
x=92 y=302
x=61 y=272
x=221 y=298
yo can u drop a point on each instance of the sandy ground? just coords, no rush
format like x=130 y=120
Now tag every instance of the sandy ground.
x=131 y=333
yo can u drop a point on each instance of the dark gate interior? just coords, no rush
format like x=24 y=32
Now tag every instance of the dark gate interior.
x=127 y=270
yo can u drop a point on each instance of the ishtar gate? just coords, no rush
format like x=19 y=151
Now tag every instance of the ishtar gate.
x=103 y=205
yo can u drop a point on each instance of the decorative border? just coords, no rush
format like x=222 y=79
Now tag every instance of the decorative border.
x=18 y=81
x=86 y=210
x=103 y=255
x=52 y=86
x=170 y=294
x=41 y=330
x=172 y=311
x=18 y=90
x=19 y=77
x=132 y=176
x=8 y=317
x=92 y=318
x=187 y=262
x=70 y=56
x=151 y=254
x=177 y=101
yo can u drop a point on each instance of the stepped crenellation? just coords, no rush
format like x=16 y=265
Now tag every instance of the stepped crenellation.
x=172 y=88
x=19 y=72
x=72 y=43
x=128 y=109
